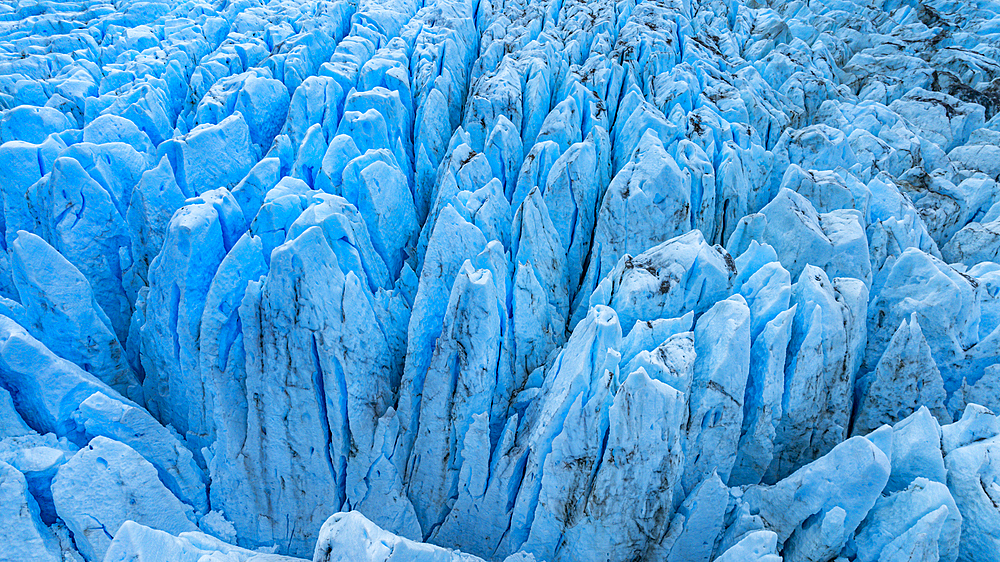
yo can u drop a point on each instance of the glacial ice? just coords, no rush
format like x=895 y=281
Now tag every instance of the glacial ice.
x=107 y=483
x=137 y=542
x=25 y=536
x=499 y=280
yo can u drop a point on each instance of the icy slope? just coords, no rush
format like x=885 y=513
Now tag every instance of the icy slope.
x=563 y=281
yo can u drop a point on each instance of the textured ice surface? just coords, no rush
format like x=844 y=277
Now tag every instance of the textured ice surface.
x=501 y=280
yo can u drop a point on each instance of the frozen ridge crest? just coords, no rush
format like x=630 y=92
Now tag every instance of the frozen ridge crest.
x=499 y=281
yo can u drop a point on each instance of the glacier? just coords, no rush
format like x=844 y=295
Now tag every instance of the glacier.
x=499 y=280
